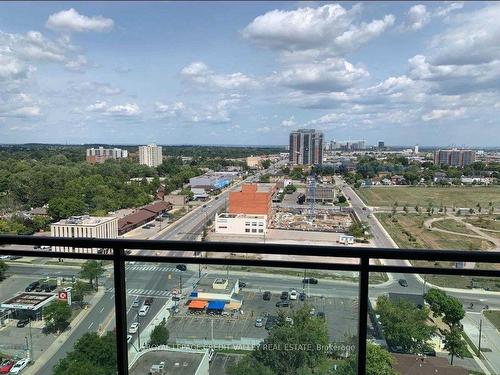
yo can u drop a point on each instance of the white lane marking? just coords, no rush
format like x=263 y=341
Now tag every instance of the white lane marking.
x=101 y=310
x=91 y=324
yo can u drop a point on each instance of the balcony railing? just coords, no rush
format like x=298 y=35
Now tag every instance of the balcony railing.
x=364 y=267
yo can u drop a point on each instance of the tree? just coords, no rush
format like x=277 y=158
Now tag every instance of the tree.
x=266 y=163
x=159 y=335
x=447 y=307
x=3 y=270
x=454 y=344
x=57 y=315
x=378 y=362
x=404 y=325
x=248 y=365
x=92 y=270
x=306 y=339
x=342 y=199
x=405 y=209
x=80 y=290
x=91 y=355
x=63 y=207
x=359 y=230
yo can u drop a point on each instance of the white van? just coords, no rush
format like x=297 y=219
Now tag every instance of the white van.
x=144 y=310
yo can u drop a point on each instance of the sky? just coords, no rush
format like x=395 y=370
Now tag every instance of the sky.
x=248 y=73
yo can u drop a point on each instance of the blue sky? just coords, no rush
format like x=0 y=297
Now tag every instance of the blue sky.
x=249 y=72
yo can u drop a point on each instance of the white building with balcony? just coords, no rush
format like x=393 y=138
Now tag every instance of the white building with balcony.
x=241 y=224
x=150 y=155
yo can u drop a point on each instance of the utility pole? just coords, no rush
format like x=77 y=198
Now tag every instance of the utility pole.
x=480 y=334
x=199 y=270
x=180 y=283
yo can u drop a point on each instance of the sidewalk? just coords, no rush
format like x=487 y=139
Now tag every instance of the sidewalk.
x=61 y=340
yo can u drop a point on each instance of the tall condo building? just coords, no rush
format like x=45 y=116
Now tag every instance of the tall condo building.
x=455 y=157
x=306 y=147
x=101 y=154
x=150 y=155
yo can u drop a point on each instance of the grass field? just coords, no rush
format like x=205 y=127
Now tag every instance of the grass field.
x=494 y=317
x=452 y=225
x=460 y=196
x=408 y=232
x=485 y=221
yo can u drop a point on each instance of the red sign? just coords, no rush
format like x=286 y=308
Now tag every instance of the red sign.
x=63 y=295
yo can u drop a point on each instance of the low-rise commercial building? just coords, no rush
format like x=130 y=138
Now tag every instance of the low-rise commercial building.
x=84 y=227
x=240 y=224
x=321 y=193
x=142 y=216
x=252 y=199
x=28 y=305
x=254 y=162
x=213 y=180
x=176 y=199
x=168 y=360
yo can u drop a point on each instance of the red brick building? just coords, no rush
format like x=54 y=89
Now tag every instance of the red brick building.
x=252 y=199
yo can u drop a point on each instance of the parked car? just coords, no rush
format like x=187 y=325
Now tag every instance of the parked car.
x=22 y=322
x=148 y=301
x=259 y=322
x=302 y=296
x=19 y=366
x=293 y=294
x=49 y=288
x=321 y=315
x=266 y=296
x=39 y=288
x=283 y=304
x=284 y=295
x=5 y=366
x=309 y=280
x=144 y=310
x=270 y=322
x=32 y=286
x=242 y=284
x=181 y=267
x=403 y=283
x=136 y=303
x=134 y=327
x=176 y=298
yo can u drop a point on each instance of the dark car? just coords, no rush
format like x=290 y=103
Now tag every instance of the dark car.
x=403 y=282
x=321 y=315
x=309 y=280
x=22 y=322
x=181 y=267
x=284 y=295
x=302 y=296
x=243 y=284
x=283 y=304
x=266 y=296
x=270 y=322
x=148 y=301
x=176 y=298
x=32 y=286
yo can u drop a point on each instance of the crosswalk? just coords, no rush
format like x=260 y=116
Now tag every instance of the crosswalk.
x=144 y=292
x=151 y=268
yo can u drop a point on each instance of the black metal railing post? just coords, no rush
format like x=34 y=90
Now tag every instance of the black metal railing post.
x=364 y=275
x=120 y=310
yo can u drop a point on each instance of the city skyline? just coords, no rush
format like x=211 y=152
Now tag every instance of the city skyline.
x=241 y=74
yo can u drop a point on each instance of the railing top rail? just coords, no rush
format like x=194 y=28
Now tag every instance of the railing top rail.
x=259 y=248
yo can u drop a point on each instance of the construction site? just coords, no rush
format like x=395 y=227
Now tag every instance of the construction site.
x=302 y=219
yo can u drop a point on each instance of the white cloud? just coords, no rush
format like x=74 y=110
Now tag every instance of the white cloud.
x=417 y=17
x=450 y=7
x=329 y=26
x=332 y=74
x=169 y=110
x=77 y=65
x=72 y=21
x=95 y=87
x=263 y=129
x=129 y=109
x=199 y=74
x=289 y=122
x=473 y=38
x=19 y=105
x=97 y=106
x=438 y=114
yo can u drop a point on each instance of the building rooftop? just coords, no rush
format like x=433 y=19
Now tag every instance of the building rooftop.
x=85 y=220
x=410 y=364
x=243 y=216
x=215 y=285
x=29 y=301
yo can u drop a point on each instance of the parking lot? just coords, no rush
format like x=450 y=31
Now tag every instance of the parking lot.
x=340 y=315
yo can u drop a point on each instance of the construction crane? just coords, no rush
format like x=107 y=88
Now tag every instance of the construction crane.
x=311 y=195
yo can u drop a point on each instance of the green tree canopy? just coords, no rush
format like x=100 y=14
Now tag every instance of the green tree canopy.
x=159 y=335
x=91 y=355
x=447 y=307
x=378 y=362
x=92 y=270
x=404 y=325
x=3 y=270
x=454 y=343
x=57 y=315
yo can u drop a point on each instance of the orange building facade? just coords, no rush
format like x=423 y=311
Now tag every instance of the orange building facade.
x=250 y=201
